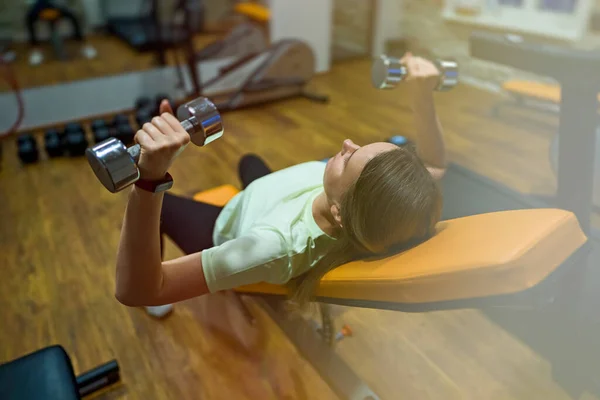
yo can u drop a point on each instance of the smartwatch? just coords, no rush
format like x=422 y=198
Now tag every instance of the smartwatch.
x=156 y=186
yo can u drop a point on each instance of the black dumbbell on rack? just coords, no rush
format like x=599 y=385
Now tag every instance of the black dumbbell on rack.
x=54 y=143
x=75 y=141
x=101 y=130
x=27 y=149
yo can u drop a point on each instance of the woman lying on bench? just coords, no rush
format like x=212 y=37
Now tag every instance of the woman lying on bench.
x=286 y=227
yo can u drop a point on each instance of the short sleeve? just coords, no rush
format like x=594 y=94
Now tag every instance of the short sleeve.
x=258 y=256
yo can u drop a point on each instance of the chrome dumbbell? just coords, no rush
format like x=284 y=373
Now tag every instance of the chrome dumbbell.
x=115 y=165
x=387 y=72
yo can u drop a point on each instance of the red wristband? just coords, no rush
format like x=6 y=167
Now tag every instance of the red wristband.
x=156 y=186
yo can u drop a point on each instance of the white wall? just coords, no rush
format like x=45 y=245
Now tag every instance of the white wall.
x=387 y=24
x=307 y=20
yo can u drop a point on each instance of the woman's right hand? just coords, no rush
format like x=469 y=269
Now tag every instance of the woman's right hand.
x=161 y=141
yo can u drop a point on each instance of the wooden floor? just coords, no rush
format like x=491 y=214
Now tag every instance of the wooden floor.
x=59 y=232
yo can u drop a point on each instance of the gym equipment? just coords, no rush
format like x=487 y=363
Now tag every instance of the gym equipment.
x=27 y=149
x=576 y=72
x=125 y=134
x=143 y=102
x=101 y=134
x=143 y=115
x=115 y=165
x=53 y=143
x=73 y=127
x=596 y=172
x=280 y=72
x=120 y=119
x=47 y=374
x=75 y=143
x=499 y=257
x=243 y=40
x=398 y=140
x=141 y=25
x=52 y=14
x=387 y=72
x=97 y=124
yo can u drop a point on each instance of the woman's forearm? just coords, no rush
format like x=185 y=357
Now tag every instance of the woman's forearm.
x=139 y=263
x=429 y=138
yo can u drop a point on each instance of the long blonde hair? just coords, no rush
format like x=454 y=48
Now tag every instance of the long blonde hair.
x=394 y=204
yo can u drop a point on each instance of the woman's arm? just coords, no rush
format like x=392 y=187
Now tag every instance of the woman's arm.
x=422 y=79
x=141 y=276
x=430 y=138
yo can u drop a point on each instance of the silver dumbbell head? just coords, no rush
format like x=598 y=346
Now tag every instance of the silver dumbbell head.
x=201 y=120
x=449 y=74
x=112 y=163
x=387 y=72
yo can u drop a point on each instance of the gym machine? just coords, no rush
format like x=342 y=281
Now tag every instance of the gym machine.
x=139 y=23
x=577 y=73
x=282 y=71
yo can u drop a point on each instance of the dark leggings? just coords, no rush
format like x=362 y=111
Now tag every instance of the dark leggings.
x=190 y=223
x=33 y=17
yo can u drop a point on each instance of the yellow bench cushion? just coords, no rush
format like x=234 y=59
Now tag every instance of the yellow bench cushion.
x=537 y=90
x=474 y=256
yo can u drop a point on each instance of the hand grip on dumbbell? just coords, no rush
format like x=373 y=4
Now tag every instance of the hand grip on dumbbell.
x=387 y=72
x=115 y=165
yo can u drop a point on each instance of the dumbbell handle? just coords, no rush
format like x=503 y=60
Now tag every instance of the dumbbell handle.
x=135 y=150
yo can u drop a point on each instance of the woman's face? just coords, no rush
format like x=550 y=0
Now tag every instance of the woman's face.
x=345 y=167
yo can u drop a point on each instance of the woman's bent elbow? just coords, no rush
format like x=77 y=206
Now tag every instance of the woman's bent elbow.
x=126 y=299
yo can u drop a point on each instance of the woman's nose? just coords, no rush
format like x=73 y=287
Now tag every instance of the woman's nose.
x=349 y=146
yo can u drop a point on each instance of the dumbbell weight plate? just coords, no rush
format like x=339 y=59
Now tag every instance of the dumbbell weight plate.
x=27 y=149
x=101 y=134
x=73 y=127
x=98 y=124
x=142 y=116
x=143 y=102
x=125 y=134
x=387 y=72
x=201 y=119
x=76 y=143
x=120 y=119
x=448 y=74
x=53 y=143
x=112 y=163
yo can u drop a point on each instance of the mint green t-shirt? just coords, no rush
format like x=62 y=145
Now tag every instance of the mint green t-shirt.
x=267 y=232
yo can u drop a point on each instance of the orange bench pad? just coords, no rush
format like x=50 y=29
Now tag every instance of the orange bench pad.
x=254 y=11
x=474 y=256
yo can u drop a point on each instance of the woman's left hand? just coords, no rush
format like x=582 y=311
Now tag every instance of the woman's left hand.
x=423 y=76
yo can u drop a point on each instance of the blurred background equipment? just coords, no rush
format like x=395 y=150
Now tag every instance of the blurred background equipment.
x=147 y=25
x=47 y=374
x=54 y=13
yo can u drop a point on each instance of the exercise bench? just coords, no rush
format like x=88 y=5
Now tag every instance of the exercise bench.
x=47 y=374
x=510 y=258
x=538 y=95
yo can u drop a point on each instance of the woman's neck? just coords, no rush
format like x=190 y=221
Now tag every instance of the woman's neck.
x=321 y=211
